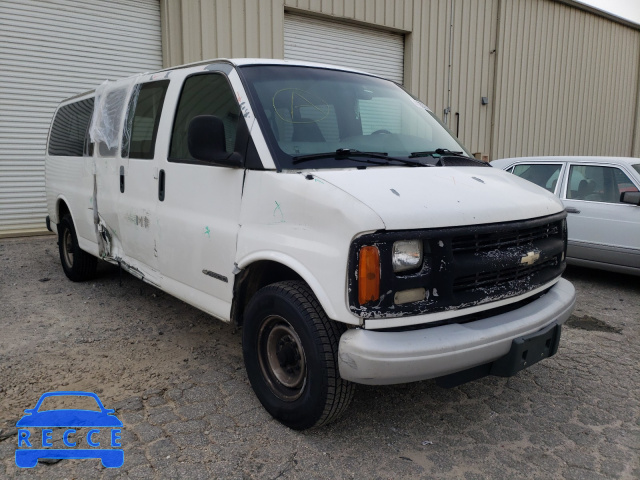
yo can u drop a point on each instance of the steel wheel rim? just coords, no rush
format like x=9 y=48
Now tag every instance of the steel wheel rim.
x=67 y=247
x=282 y=358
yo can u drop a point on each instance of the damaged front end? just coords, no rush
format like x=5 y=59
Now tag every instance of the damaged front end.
x=462 y=270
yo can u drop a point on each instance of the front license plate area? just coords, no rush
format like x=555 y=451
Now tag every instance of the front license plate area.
x=528 y=350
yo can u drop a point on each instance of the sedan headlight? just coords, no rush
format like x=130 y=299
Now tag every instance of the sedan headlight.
x=407 y=255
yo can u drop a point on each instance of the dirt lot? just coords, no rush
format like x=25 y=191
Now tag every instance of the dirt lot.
x=177 y=381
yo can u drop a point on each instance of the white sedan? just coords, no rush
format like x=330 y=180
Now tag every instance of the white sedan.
x=602 y=198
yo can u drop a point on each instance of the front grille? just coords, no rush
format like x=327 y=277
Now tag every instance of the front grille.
x=498 y=240
x=496 y=278
x=465 y=266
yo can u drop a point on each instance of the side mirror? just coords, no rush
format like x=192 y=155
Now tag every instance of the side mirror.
x=206 y=142
x=630 y=197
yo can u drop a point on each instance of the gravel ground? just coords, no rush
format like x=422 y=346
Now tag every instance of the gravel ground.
x=176 y=379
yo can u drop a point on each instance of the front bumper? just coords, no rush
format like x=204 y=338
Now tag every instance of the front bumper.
x=382 y=358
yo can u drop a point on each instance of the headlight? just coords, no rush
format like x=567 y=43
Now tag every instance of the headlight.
x=407 y=255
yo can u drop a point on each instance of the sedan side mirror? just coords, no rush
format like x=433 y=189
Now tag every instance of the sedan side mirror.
x=206 y=140
x=630 y=197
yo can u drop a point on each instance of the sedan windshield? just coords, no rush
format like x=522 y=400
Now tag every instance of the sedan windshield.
x=324 y=118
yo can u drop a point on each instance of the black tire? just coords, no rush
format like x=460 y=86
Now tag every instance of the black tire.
x=290 y=351
x=77 y=264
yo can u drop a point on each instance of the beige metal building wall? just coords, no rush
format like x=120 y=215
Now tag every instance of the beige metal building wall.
x=198 y=29
x=472 y=72
x=557 y=79
x=635 y=147
x=566 y=84
x=194 y=30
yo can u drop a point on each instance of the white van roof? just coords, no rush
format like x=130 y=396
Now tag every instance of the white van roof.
x=236 y=62
x=264 y=61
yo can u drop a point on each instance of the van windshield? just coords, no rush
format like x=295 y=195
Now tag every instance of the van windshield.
x=305 y=112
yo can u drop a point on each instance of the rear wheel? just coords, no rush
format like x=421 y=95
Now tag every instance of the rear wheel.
x=77 y=264
x=290 y=351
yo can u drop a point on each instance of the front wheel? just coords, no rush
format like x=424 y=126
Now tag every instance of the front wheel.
x=77 y=264
x=290 y=351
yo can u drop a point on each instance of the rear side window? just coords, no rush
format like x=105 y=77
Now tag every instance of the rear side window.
x=208 y=94
x=145 y=108
x=543 y=175
x=69 y=129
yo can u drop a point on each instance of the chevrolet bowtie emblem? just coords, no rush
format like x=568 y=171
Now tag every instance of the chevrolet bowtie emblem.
x=530 y=258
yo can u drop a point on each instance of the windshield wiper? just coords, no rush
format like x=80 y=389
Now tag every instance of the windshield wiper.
x=358 y=156
x=438 y=152
x=342 y=154
x=443 y=155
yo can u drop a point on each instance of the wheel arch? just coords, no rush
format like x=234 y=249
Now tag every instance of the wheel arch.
x=62 y=209
x=264 y=269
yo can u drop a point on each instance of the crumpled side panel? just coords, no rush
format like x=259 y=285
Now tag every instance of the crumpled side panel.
x=109 y=110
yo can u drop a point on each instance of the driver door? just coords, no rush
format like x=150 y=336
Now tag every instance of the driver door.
x=199 y=212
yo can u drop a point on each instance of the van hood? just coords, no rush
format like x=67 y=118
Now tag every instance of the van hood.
x=435 y=197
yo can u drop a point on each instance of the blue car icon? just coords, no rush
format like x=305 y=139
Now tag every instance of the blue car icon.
x=27 y=457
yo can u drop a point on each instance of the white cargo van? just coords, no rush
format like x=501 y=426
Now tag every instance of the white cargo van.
x=326 y=212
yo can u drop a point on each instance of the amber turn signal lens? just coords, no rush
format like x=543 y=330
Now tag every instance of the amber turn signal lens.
x=368 y=275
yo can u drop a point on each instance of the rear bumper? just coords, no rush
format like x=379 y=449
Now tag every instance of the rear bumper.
x=380 y=358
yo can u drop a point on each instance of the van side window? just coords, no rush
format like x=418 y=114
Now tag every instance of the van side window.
x=145 y=108
x=204 y=94
x=111 y=119
x=70 y=128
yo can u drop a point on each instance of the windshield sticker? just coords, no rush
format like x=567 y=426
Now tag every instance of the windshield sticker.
x=243 y=106
x=293 y=105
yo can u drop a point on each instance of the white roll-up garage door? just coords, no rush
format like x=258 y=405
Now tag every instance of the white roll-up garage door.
x=316 y=40
x=50 y=51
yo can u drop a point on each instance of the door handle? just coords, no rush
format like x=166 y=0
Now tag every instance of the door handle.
x=161 y=186
x=572 y=210
x=121 y=179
